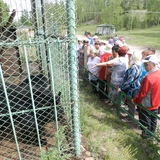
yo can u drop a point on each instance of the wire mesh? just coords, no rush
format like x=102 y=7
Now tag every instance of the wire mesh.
x=36 y=113
x=125 y=109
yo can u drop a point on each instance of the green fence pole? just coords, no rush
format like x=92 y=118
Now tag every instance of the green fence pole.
x=73 y=73
x=33 y=104
x=10 y=113
x=119 y=103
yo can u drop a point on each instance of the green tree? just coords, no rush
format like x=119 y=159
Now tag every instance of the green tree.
x=133 y=4
x=4 y=13
x=112 y=12
x=89 y=10
x=55 y=15
x=153 y=8
x=25 y=18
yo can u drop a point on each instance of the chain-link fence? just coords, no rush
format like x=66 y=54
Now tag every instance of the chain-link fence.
x=39 y=115
x=124 y=110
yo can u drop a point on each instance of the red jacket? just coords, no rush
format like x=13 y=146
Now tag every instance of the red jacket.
x=104 y=58
x=151 y=84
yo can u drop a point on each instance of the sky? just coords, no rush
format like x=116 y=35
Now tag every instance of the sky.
x=19 y=6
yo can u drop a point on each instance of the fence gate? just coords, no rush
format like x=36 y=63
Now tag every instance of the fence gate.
x=39 y=114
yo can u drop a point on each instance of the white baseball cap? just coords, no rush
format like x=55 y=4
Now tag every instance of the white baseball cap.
x=95 y=37
x=151 y=58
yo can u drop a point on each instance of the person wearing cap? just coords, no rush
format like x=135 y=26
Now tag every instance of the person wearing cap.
x=102 y=47
x=119 y=66
x=144 y=54
x=95 y=39
x=106 y=49
x=93 y=74
x=152 y=51
x=131 y=83
x=148 y=96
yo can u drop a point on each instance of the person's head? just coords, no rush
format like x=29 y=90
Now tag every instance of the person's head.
x=93 y=53
x=145 y=53
x=95 y=39
x=119 y=43
x=152 y=50
x=136 y=58
x=88 y=34
x=150 y=62
x=85 y=41
x=103 y=43
x=107 y=48
x=115 y=51
x=79 y=40
x=97 y=45
x=122 y=51
x=122 y=39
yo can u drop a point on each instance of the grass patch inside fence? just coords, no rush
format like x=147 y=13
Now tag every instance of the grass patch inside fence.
x=106 y=136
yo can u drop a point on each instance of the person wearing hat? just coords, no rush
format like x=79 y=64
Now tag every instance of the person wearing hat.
x=152 y=51
x=119 y=66
x=93 y=73
x=95 y=39
x=148 y=96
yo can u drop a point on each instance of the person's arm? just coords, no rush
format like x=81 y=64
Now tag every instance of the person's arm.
x=108 y=63
x=88 y=50
x=145 y=86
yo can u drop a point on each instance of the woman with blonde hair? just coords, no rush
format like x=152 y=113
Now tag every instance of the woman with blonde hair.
x=131 y=83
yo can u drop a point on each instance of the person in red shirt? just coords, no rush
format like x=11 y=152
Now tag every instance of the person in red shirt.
x=148 y=95
x=102 y=86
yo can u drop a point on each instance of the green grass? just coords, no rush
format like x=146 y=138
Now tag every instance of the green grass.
x=146 y=37
x=80 y=29
x=106 y=137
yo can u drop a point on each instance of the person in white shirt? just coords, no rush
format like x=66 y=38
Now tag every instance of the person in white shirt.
x=93 y=76
x=79 y=47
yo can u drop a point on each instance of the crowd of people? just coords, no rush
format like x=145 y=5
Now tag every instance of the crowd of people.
x=136 y=74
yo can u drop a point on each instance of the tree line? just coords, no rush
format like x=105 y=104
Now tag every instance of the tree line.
x=128 y=14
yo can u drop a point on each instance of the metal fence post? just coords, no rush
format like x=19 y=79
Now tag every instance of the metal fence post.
x=73 y=73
